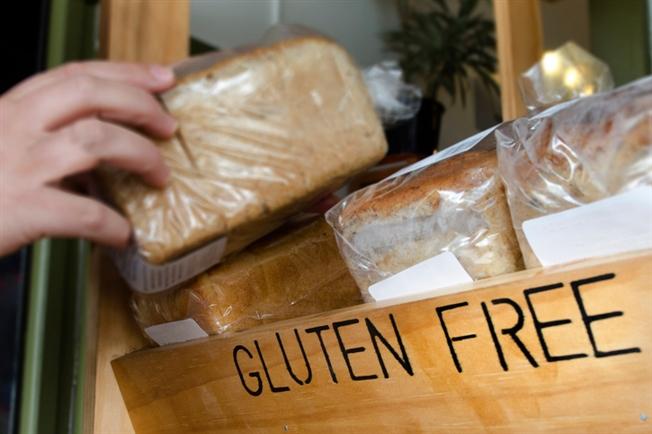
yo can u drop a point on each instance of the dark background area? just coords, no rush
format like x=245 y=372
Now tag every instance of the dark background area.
x=24 y=36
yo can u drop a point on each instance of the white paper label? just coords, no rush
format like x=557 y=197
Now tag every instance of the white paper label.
x=175 y=331
x=606 y=227
x=149 y=278
x=433 y=275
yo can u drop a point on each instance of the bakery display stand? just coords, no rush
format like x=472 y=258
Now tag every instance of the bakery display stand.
x=561 y=349
x=558 y=350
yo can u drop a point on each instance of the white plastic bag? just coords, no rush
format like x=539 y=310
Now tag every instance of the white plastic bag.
x=393 y=99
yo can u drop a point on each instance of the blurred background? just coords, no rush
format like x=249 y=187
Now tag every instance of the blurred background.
x=616 y=31
x=42 y=318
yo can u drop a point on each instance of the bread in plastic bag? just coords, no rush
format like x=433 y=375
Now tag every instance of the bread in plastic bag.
x=453 y=202
x=563 y=74
x=263 y=131
x=293 y=272
x=576 y=153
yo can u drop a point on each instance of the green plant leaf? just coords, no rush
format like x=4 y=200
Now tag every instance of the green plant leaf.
x=443 y=51
x=467 y=7
x=442 y=5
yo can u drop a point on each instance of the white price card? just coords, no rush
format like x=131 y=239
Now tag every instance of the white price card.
x=618 y=224
x=175 y=331
x=430 y=276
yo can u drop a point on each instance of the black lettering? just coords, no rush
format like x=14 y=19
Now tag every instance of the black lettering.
x=255 y=374
x=494 y=338
x=449 y=339
x=317 y=330
x=273 y=388
x=539 y=326
x=375 y=334
x=511 y=331
x=287 y=361
x=588 y=319
x=346 y=351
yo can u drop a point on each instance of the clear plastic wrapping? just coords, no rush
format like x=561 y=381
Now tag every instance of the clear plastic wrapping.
x=576 y=153
x=294 y=272
x=394 y=99
x=452 y=202
x=563 y=74
x=263 y=132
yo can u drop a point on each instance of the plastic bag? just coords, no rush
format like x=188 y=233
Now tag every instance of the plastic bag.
x=264 y=132
x=576 y=153
x=563 y=74
x=294 y=272
x=393 y=99
x=451 y=202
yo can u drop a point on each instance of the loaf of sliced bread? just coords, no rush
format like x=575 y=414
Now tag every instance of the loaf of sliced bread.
x=293 y=272
x=262 y=133
x=456 y=205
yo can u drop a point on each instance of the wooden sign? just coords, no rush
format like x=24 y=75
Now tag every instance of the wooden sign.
x=557 y=350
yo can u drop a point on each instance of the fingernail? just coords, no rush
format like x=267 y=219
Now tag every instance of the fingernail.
x=166 y=175
x=171 y=124
x=162 y=74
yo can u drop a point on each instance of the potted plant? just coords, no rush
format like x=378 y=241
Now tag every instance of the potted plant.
x=440 y=50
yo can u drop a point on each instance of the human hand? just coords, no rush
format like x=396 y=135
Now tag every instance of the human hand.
x=65 y=122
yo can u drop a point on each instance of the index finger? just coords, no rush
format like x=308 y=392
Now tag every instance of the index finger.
x=153 y=78
x=87 y=96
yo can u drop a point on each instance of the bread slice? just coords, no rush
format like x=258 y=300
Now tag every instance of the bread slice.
x=287 y=274
x=588 y=150
x=455 y=205
x=262 y=134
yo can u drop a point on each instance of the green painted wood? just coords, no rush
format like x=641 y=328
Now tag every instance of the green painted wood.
x=81 y=329
x=34 y=329
x=620 y=35
x=53 y=369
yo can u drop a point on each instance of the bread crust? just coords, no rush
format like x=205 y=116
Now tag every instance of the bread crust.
x=266 y=133
x=459 y=173
x=294 y=272
x=456 y=205
x=257 y=52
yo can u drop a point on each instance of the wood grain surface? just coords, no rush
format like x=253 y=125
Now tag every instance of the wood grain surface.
x=116 y=334
x=139 y=31
x=561 y=350
x=145 y=30
x=520 y=45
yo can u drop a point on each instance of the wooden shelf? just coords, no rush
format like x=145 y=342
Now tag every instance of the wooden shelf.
x=584 y=365
x=565 y=349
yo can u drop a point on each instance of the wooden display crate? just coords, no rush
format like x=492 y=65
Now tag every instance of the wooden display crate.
x=565 y=349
